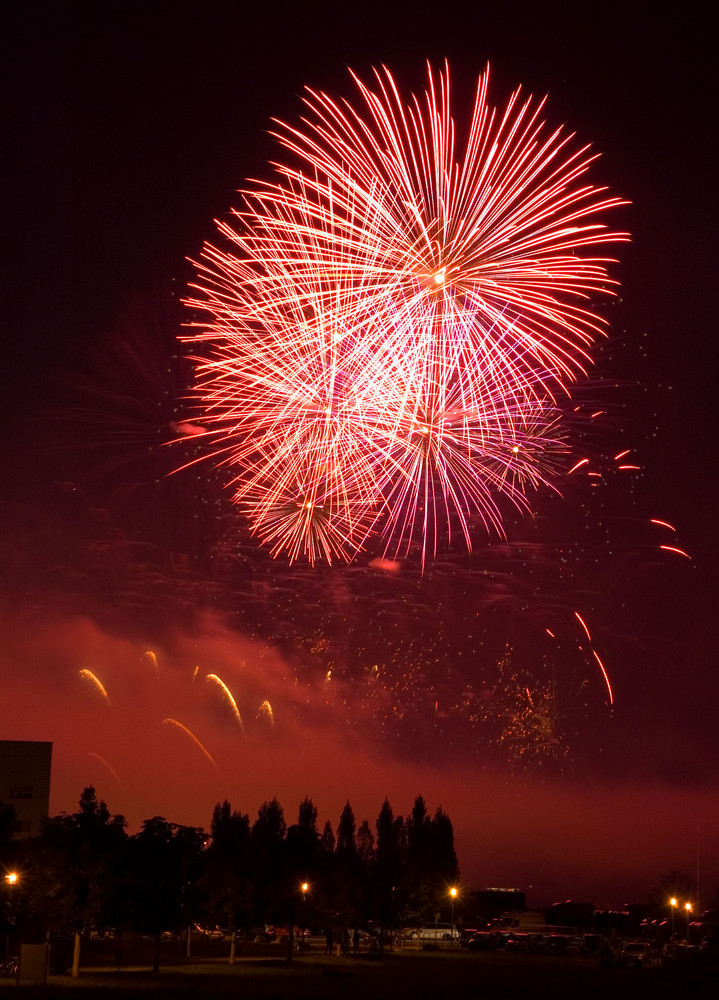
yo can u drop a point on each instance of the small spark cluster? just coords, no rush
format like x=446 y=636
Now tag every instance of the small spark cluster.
x=381 y=348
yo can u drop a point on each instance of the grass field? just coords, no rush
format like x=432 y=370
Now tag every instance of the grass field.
x=413 y=976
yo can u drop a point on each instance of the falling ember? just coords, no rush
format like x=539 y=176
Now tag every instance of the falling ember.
x=266 y=709
x=230 y=700
x=579 y=464
x=149 y=657
x=583 y=624
x=95 y=681
x=110 y=769
x=395 y=316
x=188 y=732
x=662 y=524
x=673 y=548
x=606 y=677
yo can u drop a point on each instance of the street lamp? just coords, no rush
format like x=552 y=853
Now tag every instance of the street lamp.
x=11 y=879
x=688 y=908
x=304 y=889
x=452 y=896
x=673 y=904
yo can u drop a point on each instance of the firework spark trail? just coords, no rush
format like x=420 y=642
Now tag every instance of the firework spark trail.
x=96 y=682
x=594 y=653
x=230 y=699
x=198 y=744
x=150 y=657
x=110 y=768
x=583 y=624
x=578 y=465
x=266 y=709
x=400 y=319
x=605 y=675
x=673 y=548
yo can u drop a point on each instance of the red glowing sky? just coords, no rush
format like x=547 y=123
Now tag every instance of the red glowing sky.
x=603 y=840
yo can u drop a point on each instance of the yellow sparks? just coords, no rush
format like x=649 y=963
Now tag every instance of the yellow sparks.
x=228 y=694
x=266 y=709
x=149 y=657
x=188 y=732
x=109 y=767
x=88 y=675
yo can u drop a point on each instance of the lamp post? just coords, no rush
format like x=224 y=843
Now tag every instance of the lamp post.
x=673 y=904
x=12 y=879
x=688 y=908
x=452 y=896
x=304 y=889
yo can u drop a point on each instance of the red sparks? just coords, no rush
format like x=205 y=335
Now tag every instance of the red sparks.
x=673 y=548
x=583 y=624
x=606 y=677
x=394 y=317
x=578 y=465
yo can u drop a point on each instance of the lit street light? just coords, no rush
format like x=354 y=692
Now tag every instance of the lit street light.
x=688 y=908
x=9 y=918
x=453 y=896
x=304 y=889
x=673 y=904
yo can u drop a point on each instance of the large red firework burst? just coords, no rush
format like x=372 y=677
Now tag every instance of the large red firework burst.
x=395 y=317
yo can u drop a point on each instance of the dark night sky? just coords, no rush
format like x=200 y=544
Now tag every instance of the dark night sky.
x=127 y=127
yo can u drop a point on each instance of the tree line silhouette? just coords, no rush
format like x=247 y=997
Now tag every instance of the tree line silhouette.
x=83 y=871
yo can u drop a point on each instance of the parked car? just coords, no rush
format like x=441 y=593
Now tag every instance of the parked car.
x=483 y=941
x=432 y=933
x=518 y=942
x=466 y=935
x=637 y=954
x=556 y=944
